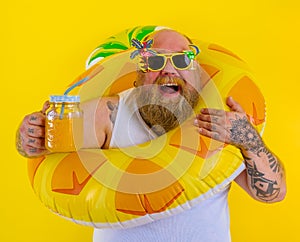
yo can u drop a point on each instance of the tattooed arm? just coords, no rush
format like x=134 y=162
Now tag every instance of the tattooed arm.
x=264 y=177
x=99 y=116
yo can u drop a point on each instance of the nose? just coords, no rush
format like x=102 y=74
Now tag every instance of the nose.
x=169 y=69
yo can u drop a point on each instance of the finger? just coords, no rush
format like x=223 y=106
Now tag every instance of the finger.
x=35 y=142
x=203 y=117
x=234 y=105
x=211 y=118
x=208 y=126
x=46 y=105
x=213 y=111
x=29 y=145
x=36 y=118
x=33 y=151
x=210 y=134
x=35 y=131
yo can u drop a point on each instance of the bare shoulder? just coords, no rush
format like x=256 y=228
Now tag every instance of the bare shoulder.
x=103 y=105
x=106 y=110
x=99 y=117
x=106 y=114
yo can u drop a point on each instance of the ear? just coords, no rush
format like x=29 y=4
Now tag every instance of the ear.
x=139 y=78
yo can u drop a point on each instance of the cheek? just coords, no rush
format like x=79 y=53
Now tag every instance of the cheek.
x=192 y=77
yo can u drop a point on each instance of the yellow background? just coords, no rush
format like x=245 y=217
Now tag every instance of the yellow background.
x=44 y=45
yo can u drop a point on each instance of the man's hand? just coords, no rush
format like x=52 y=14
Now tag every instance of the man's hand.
x=264 y=177
x=231 y=127
x=30 y=139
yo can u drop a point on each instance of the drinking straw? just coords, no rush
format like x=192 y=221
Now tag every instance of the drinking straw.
x=76 y=84
x=93 y=72
x=68 y=90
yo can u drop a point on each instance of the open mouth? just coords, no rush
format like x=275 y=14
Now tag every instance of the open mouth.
x=170 y=88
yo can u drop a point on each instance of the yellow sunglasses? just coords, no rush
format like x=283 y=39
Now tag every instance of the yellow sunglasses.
x=157 y=62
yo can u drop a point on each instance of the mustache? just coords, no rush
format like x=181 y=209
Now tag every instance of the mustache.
x=163 y=79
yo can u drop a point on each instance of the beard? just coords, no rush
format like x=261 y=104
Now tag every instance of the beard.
x=162 y=113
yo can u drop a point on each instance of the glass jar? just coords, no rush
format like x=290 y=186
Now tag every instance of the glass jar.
x=64 y=124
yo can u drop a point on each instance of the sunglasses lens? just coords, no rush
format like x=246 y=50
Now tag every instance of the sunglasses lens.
x=181 y=61
x=156 y=62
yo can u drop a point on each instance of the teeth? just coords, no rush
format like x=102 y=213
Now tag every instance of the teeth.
x=170 y=84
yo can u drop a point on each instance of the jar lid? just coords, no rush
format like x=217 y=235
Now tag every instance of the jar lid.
x=64 y=98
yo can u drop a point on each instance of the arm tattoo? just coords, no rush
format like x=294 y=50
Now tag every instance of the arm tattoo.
x=273 y=162
x=265 y=189
x=114 y=109
x=243 y=134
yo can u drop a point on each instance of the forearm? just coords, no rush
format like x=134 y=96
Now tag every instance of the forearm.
x=265 y=173
x=264 y=178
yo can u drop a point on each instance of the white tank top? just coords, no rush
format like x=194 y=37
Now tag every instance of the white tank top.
x=206 y=222
x=129 y=128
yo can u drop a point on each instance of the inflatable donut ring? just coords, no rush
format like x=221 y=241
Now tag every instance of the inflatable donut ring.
x=122 y=188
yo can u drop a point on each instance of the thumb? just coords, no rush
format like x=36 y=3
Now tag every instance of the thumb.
x=46 y=105
x=234 y=105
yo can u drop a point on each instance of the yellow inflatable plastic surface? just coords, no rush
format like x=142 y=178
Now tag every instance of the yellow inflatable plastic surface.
x=126 y=187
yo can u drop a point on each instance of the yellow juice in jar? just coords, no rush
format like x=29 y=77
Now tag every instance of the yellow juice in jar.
x=64 y=124
x=64 y=135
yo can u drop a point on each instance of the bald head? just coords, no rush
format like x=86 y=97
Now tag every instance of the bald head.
x=170 y=40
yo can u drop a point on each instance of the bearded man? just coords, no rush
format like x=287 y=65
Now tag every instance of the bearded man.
x=165 y=95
